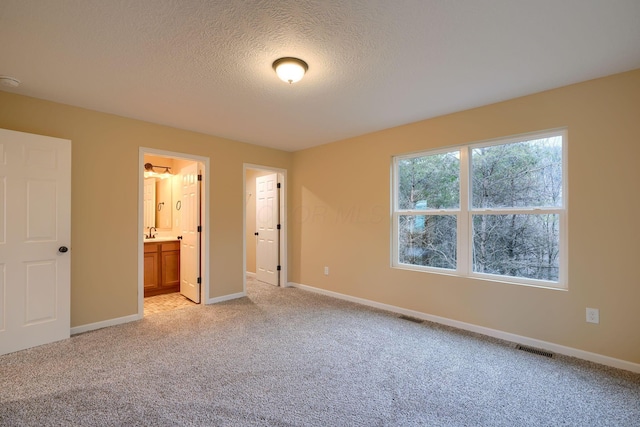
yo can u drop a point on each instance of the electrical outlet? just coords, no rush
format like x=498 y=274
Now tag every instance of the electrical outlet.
x=326 y=271
x=593 y=315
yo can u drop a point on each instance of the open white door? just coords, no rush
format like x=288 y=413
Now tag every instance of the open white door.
x=189 y=225
x=267 y=217
x=35 y=233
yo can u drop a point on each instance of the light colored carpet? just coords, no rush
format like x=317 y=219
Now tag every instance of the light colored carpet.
x=286 y=357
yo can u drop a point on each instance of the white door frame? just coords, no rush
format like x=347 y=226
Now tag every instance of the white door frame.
x=204 y=209
x=282 y=178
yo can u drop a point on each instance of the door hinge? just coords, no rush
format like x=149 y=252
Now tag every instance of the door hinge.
x=199 y=280
x=279 y=185
x=279 y=268
x=279 y=226
x=199 y=229
x=199 y=177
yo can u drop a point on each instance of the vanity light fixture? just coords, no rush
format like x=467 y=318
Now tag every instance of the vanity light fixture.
x=290 y=70
x=150 y=171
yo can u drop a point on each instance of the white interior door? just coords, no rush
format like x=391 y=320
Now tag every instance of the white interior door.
x=189 y=224
x=35 y=234
x=267 y=217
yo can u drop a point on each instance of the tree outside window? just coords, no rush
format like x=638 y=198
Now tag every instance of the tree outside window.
x=506 y=219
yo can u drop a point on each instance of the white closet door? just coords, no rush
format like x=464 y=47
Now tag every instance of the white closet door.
x=35 y=239
x=267 y=217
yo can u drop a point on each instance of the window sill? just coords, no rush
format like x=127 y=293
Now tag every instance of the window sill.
x=485 y=278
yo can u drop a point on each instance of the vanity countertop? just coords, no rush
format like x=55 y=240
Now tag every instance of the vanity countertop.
x=160 y=239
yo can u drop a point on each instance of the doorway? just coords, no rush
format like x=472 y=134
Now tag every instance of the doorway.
x=173 y=227
x=265 y=248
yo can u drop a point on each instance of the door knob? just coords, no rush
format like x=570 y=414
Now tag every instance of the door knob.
x=63 y=249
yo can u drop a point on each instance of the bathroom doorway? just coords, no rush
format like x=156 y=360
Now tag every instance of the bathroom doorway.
x=173 y=229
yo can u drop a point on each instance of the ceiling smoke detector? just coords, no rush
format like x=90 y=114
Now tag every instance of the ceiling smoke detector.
x=9 y=81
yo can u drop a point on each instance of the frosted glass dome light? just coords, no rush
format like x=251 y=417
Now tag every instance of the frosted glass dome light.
x=290 y=70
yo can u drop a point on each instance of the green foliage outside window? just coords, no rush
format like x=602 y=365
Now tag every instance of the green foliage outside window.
x=515 y=194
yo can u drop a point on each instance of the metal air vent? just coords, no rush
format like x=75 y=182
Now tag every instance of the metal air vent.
x=534 y=351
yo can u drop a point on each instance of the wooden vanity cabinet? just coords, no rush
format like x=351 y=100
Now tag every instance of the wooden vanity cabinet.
x=151 y=268
x=161 y=268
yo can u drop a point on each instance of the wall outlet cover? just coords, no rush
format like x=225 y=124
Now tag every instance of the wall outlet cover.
x=593 y=315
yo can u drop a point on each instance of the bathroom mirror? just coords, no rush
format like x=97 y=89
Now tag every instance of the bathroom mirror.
x=158 y=203
x=164 y=203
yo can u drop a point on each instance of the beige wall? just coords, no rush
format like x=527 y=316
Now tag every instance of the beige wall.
x=104 y=231
x=340 y=203
x=339 y=212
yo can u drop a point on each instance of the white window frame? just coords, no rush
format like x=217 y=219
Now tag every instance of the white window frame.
x=465 y=213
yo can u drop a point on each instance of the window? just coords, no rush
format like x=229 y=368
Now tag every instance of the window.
x=494 y=210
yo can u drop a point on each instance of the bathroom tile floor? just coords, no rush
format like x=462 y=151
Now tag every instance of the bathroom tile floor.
x=166 y=302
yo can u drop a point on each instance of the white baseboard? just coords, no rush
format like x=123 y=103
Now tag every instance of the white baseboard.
x=226 y=298
x=250 y=274
x=519 y=339
x=99 y=325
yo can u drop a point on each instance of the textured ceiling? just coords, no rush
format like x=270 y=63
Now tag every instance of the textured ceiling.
x=206 y=65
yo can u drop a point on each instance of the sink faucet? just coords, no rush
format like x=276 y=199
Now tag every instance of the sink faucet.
x=151 y=233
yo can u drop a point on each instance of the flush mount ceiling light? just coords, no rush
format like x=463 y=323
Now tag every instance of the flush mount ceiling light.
x=150 y=171
x=9 y=81
x=290 y=70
